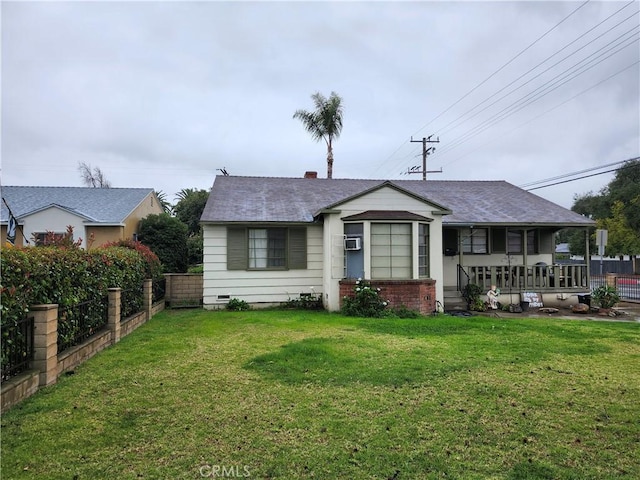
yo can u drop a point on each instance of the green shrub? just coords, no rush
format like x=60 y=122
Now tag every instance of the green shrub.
x=472 y=294
x=67 y=277
x=366 y=301
x=306 y=301
x=238 y=305
x=605 y=296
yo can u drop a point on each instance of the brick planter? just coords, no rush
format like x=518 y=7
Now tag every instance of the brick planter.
x=418 y=295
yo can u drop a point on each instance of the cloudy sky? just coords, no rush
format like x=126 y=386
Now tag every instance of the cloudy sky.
x=163 y=94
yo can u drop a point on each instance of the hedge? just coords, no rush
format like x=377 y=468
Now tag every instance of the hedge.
x=69 y=276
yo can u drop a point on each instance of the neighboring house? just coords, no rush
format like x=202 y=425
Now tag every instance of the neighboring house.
x=109 y=214
x=267 y=240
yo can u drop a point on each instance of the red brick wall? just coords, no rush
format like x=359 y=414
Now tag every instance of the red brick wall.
x=418 y=295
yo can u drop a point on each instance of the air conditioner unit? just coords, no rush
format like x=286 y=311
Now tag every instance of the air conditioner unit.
x=352 y=243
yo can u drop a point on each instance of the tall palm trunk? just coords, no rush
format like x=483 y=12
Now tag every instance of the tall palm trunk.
x=329 y=160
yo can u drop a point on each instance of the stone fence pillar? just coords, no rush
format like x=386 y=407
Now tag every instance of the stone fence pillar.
x=147 y=297
x=113 y=319
x=45 y=342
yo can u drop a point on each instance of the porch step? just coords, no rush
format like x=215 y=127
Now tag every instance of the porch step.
x=453 y=299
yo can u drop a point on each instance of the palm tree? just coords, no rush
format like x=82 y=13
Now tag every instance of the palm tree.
x=164 y=203
x=324 y=123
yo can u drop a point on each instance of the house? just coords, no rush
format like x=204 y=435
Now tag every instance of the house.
x=107 y=214
x=267 y=240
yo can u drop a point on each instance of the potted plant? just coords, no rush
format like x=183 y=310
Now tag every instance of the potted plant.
x=605 y=296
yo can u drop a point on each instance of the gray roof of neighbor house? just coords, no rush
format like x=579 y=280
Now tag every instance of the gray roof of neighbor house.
x=96 y=205
x=269 y=199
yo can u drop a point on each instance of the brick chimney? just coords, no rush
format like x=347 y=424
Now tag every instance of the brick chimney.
x=310 y=174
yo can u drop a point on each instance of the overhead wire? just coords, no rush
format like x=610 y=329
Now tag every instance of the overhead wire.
x=444 y=129
x=530 y=97
x=584 y=176
x=505 y=134
x=533 y=96
x=489 y=77
x=566 y=175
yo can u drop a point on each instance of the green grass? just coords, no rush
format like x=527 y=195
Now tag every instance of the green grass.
x=291 y=394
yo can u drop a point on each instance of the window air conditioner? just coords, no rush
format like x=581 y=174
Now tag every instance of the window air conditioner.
x=352 y=243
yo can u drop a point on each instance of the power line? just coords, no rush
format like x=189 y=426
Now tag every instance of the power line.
x=444 y=129
x=505 y=134
x=587 y=176
x=539 y=92
x=490 y=77
x=503 y=66
x=565 y=175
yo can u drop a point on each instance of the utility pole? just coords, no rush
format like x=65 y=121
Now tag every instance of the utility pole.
x=425 y=152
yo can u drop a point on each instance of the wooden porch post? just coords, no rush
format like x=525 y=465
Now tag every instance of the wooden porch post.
x=587 y=256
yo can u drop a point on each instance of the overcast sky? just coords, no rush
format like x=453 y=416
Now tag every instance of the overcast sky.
x=163 y=94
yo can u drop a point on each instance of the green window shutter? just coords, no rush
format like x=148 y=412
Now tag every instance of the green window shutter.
x=298 y=248
x=237 y=249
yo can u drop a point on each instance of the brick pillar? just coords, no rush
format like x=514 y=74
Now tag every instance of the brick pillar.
x=113 y=321
x=45 y=339
x=167 y=288
x=147 y=297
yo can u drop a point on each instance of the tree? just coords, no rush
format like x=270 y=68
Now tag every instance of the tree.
x=616 y=208
x=166 y=236
x=164 y=203
x=189 y=208
x=625 y=188
x=324 y=123
x=622 y=239
x=93 y=178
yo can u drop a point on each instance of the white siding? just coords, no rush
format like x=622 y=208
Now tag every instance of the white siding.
x=255 y=286
x=54 y=219
x=384 y=199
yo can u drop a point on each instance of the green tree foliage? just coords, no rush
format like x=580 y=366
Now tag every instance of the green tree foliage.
x=324 y=123
x=195 y=249
x=166 y=236
x=625 y=188
x=191 y=203
x=189 y=208
x=617 y=208
x=622 y=238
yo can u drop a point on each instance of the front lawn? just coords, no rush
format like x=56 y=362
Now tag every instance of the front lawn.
x=273 y=394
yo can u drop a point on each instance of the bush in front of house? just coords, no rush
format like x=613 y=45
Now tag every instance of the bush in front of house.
x=237 y=305
x=365 y=302
x=472 y=293
x=605 y=296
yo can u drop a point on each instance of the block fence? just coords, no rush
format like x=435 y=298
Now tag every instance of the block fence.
x=48 y=364
x=418 y=295
x=183 y=289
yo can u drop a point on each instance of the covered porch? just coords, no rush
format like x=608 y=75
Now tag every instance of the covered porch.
x=540 y=276
x=518 y=260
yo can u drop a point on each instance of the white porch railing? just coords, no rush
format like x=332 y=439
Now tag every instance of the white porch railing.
x=527 y=277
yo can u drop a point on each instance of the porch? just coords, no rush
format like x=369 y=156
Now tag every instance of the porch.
x=538 y=277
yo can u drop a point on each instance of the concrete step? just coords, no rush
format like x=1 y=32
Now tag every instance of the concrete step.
x=453 y=299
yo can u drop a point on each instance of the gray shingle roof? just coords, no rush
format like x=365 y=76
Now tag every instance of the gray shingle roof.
x=269 y=199
x=100 y=205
